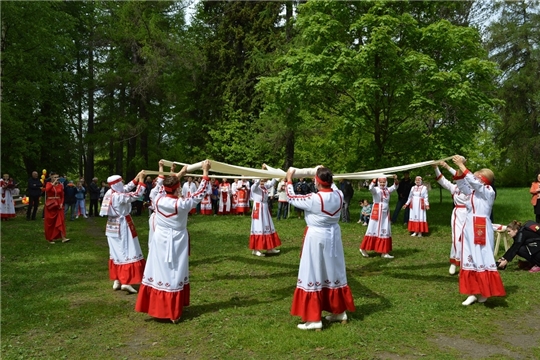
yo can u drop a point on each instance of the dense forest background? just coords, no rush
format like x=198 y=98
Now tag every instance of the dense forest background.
x=103 y=87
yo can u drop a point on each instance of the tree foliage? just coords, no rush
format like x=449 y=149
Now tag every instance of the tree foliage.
x=514 y=43
x=409 y=90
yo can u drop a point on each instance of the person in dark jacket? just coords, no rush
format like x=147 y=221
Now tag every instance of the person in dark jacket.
x=405 y=186
x=301 y=188
x=348 y=192
x=69 y=198
x=34 y=193
x=94 y=197
x=526 y=244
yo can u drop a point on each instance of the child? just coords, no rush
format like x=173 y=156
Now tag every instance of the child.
x=365 y=213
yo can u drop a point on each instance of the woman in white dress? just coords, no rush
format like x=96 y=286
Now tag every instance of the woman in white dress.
x=478 y=274
x=458 y=218
x=418 y=202
x=263 y=234
x=322 y=279
x=7 y=207
x=126 y=262
x=165 y=286
x=378 y=235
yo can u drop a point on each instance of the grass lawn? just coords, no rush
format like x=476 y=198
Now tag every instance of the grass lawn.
x=58 y=303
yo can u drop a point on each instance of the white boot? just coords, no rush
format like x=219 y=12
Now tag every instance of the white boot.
x=482 y=299
x=116 y=285
x=273 y=251
x=452 y=269
x=311 y=325
x=387 y=256
x=257 y=253
x=470 y=300
x=364 y=253
x=129 y=289
x=337 y=317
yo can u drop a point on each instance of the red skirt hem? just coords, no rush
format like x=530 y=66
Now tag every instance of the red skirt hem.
x=264 y=242
x=7 y=216
x=455 y=262
x=127 y=274
x=310 y=305
x=206 y=212
x=380 y=245
x=485 y=283
x=418 y=226
x=162 y=304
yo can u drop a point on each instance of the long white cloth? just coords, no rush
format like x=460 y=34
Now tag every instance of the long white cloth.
x=223 y=168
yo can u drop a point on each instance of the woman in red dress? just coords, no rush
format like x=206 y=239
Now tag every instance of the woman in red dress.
x=55 y=225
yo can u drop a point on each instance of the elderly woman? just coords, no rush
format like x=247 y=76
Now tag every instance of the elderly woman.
x=478 y=274
x=322 y=279
x=526 y=244
x=418 y=203
x=165 y=286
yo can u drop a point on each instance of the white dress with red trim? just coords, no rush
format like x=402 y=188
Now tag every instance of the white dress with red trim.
x=417 y=202
x=378 y=235
x=224 y=207
x=156 y=192
x=458 y=217
x=322 y=279
x=242 y=197
x=206 y=203
x=126 y=260
x=165 y=289
x=234 y=198
x=478 y=274
x=7 y=206
x=263 y=234
x=187 y=189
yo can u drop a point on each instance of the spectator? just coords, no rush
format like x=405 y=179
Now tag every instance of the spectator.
x=348 y=193
x=300 y=188
x=94 y=197
x=283 y=202
x=34 y=193
x=70 y=199
x=403 y=191
x=80 y=194
x=7 y=207
x=535 y=200
x=102 y=191
x=365 y=212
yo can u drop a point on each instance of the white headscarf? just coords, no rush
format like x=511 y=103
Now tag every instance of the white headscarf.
x=115 y=182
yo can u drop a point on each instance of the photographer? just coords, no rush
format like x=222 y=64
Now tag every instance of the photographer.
x=526 y=244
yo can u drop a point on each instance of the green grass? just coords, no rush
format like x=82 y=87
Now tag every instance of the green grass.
x=57 y=300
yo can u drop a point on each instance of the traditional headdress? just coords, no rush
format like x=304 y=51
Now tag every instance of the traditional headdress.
x=115 y=182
